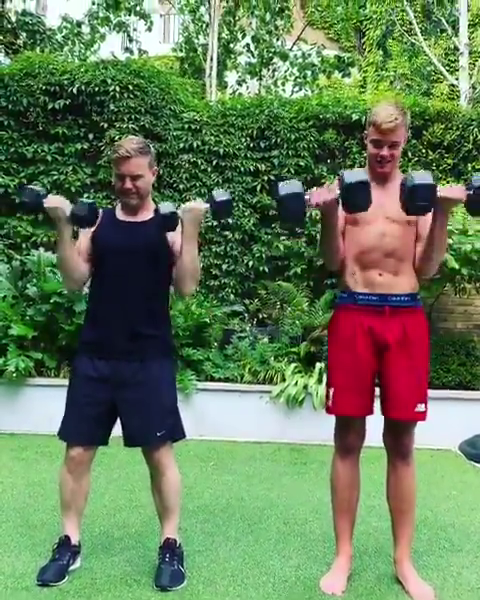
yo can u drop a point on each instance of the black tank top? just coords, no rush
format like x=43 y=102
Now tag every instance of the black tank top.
x=127 y=314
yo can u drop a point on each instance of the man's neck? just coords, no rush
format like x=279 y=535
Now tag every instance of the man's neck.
x=140 y=213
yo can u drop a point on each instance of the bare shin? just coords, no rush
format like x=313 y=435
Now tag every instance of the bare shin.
x=166 y=485
x=398 y=439
x=74 y=488
x=345 y=481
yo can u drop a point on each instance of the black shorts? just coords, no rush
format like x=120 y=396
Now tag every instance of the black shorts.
x=142 y=394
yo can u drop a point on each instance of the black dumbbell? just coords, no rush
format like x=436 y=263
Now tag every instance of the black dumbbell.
x=84 y=213
x=419 y=194
x=354 y=194
x=220 y=204
x=472 y=203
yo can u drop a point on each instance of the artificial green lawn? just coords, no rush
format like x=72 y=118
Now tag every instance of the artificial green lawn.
x=256 y=523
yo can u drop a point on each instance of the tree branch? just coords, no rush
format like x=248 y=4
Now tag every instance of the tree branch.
x=425 y=47
x=475 y=81
x=476 y=72
x=450 y=33
x=298 y=36
x=409 y=37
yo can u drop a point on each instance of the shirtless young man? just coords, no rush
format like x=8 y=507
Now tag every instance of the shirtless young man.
x=379 y=328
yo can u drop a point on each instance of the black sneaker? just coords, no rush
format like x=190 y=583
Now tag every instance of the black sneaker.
x=170 y=574
x=65 y=558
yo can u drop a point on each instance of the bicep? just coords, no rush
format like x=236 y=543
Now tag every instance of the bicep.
x=83 y=246
x=423 y=227
x=175 y=241
x=341 y=222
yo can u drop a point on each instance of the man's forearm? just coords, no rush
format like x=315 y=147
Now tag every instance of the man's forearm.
x=435 y=247
x=331 y=244
x=187 y=268
x=74 y=271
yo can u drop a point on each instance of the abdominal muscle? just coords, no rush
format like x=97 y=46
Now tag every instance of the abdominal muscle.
x=380 y=254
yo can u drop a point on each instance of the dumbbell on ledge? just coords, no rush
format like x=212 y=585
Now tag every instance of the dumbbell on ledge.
x=84 y=213
x=220 y=203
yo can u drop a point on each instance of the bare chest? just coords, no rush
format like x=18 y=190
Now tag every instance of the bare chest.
x=385 y=211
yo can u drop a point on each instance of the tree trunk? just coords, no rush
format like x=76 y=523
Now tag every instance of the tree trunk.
x=208 y=65
x=216 y=22
x=463 y=72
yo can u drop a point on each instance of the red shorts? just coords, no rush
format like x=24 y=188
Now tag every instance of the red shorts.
x=378 y=337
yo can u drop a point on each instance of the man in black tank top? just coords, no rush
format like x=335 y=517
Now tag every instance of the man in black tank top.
x=124 y=368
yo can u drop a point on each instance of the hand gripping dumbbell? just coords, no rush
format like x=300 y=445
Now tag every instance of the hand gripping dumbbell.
x=220 y=203
x=84 y=214
x=354 y=194
x=419 y=194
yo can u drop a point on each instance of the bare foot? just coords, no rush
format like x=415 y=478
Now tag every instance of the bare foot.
x=334 y=583
x=413 y=584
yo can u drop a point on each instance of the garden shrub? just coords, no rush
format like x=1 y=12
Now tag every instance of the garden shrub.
x=455 y=361
x=59 y=120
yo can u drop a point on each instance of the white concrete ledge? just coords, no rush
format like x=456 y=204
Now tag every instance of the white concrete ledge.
x=248 y=388
x=227 y=411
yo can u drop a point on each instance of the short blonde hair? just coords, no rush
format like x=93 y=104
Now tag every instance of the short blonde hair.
x=387 y=116
x=132 y=147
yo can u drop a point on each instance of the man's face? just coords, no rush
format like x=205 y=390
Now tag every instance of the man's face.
x=133 y=179
x=384 y=150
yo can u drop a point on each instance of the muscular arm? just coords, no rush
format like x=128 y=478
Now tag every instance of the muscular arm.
x=431 y=243
x=331 y=237
x=73 y=258
x=186 y=273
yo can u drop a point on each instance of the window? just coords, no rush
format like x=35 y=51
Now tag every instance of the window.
x=168 y=28
x=127 y=37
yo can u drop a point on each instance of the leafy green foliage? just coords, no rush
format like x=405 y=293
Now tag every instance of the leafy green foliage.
x=40 y=323
x=381 y=39
x=299 y=385
x=78 y=39
x=265 y=297
x=39 y=320
x=460 y=269
x=253 y=44
x=455 y=362
x=59 y=119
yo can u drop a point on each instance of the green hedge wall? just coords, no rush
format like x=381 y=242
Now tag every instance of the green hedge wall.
x=60 y=118
x=58 y=121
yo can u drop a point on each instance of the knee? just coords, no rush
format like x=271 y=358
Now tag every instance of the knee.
x=349 y=437
x=161 y=461
x=398 y=440
x=78 y=460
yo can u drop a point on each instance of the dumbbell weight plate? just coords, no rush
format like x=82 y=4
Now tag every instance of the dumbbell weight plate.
x=169 y=216
x=472 y=203
x=84 y=214
x=355 y=191
x=291 y=204
x=221 y=205
x=30 y=199
x=418 y=193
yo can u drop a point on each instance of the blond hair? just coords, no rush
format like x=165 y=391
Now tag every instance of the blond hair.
x=387 y=116
x=132 y=147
